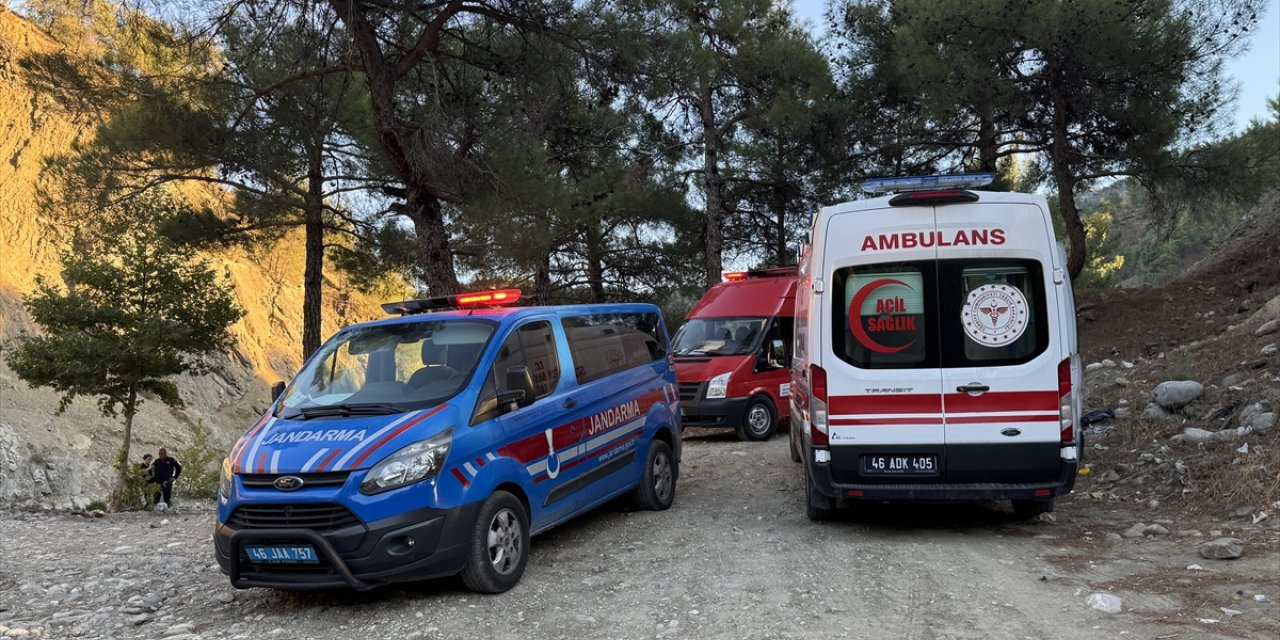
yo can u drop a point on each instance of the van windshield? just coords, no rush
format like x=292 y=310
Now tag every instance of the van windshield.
x=385 y=369
x=718 y=336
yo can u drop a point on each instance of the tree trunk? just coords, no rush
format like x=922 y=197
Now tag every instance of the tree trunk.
x=1065 y=181
x=542 y=281
x=124 y=463
x=313 y=273
x=434 y=257
x=595 y=266
x=713 y=184
x=422 y=202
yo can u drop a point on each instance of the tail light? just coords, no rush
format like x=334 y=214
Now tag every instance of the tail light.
x=1066 y=408
x=818 y=405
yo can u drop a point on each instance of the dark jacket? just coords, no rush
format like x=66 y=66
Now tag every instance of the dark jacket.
x=164 y=469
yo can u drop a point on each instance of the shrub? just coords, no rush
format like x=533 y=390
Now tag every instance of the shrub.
x=201 y=465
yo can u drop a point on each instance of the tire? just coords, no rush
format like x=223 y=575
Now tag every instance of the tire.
x=793 y=435
x=499 y=545
x=657 y=488
x=1028 y=509
x=759 y=421
x=817 y=507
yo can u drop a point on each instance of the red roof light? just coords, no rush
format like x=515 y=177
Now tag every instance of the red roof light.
x=501 y=296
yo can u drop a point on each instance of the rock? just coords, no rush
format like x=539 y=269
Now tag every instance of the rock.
x=1155 y=531
x=1104 y=602
x=1108 y=363
x=1109 y=476
x=1176 y=394
x=1122 y=382
x=226 y=597
x=1136 y=530
x=1195 y=435
x=1122 y=412
x=1270 y=350
x=1253 y=410
x=1267 y=328
x=1242 y=512
x=179 y=629
x=1222 y=549
x=141 y=619
x=1261 y=422
x=1155 y=411
x=1233 y=380
x=1113 y=537
x=1153 y=503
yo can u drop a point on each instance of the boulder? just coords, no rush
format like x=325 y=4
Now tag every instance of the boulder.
x=1222 y=549
x=1261 y=422
x=1196 y=435
x=1176 y=394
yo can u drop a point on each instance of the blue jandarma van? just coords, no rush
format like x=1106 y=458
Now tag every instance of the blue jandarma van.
x=437 y=442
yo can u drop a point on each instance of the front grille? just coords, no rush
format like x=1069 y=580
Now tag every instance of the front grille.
x=690 y=390
x=267 y=480
x=318 y=517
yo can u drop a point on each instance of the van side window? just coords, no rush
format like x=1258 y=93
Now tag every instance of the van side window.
x=532 y=345
x=603 y=344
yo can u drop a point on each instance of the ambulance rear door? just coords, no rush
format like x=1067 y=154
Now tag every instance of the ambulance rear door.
x=883 y=380
x=1000 y=350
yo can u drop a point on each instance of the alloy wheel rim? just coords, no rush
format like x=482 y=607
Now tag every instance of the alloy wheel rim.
x=504 y=541
x=662 y=476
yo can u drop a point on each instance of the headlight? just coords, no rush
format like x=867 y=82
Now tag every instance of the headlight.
x=718 y=385
x=224 y=481
x=418 y=461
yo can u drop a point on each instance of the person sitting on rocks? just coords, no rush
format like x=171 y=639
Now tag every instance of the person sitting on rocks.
x=164 y=471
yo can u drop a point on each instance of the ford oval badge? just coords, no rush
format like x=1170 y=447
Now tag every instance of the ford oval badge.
x=288 y=483
x=1011 y=432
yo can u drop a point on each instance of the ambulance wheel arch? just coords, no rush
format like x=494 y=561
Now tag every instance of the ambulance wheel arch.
x=759 y=419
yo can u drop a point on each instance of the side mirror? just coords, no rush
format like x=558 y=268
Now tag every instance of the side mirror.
x=276 y=390
x=778 y=353
x=519 y=380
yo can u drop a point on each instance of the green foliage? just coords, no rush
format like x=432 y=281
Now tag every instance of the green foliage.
x=137 y=491
x=201 y=465
x=134 y=310
x=96 y=505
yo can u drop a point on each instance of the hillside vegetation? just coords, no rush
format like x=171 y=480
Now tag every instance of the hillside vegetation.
x=65 y=459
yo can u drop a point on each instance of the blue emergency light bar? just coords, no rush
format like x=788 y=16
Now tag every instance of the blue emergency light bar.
x=921 y=183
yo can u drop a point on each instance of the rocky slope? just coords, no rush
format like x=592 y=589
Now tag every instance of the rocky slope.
x=64 y=459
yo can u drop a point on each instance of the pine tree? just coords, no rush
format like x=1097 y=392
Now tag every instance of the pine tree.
x=136 y=309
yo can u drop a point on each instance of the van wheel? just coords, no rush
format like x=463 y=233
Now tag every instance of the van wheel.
x=792 y=436
x=817 y=507
x=657 y=488
x=759 y=421
x=1028 y=509
x=499 y=545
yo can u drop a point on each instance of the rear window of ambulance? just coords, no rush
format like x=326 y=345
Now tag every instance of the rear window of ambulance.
x=949 y=313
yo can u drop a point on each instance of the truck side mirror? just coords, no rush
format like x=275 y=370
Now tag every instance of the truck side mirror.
x=276 y=390
x=778 y=353
x=519 y=380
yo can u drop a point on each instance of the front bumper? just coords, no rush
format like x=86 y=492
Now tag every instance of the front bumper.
x=359 y=556
x=712 y=412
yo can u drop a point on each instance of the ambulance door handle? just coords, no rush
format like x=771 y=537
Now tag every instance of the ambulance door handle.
x=570 y=403
x=973 y=387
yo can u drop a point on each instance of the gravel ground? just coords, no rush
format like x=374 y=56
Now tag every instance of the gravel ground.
x=734 y=558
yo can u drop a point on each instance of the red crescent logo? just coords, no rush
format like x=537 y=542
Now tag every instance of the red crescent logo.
x=855 y=316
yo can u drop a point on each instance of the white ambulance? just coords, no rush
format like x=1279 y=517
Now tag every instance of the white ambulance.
x=935 y=349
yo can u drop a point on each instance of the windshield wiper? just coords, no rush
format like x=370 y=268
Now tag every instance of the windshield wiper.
x=348 y=410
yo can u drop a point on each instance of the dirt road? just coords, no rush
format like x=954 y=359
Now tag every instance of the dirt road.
x=735 y=558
